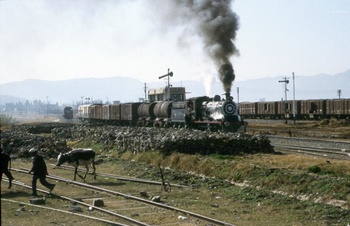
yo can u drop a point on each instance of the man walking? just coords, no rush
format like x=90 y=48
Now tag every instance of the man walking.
x=5 y=160
x=39 y=171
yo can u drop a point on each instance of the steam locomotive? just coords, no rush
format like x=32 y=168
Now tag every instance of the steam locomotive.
x=205 y=113
x=304 y=109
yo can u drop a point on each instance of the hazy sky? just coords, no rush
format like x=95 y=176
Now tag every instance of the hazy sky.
x=66 y=39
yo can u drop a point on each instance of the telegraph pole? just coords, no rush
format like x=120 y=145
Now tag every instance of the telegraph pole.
x=47 y=106
x=294 y=110
x=145 y=89
x=286 y=81
x=339 y=93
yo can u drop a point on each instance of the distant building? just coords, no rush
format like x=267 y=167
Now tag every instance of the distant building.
x=161 y=94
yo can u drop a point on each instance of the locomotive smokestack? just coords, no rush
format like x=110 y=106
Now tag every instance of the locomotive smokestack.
x=228 y=95
x=215 y=23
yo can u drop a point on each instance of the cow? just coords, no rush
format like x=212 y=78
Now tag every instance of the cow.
x=76 y=157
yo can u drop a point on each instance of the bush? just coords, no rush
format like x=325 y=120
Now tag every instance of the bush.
x=6 y=120
x=314 y=169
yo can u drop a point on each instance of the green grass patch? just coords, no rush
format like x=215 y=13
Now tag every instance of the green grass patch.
x=7 y=121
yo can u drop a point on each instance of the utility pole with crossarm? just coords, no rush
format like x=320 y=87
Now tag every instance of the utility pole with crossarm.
x=286 y=81
x=170 y=74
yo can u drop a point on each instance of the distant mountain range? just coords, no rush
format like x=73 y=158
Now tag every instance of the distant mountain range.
x=125 y=89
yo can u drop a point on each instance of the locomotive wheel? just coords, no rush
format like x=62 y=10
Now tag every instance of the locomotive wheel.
x=167 y=125
x=140 y=124
x=157 y=124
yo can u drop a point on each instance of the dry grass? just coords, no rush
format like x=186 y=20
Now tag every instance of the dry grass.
x=238 y=205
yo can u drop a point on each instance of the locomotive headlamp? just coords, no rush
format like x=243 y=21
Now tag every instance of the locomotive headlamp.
x=229 y=108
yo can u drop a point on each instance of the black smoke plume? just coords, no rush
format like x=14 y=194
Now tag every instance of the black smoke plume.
x=216 y=23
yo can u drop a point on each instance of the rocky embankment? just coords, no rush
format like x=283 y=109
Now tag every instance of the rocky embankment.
x=52 y=139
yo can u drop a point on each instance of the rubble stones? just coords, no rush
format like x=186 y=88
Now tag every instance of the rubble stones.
x=168 y=140
x=75 y=209
x=19 y=143
x=22 y=209
x=37 y=201
x=144 y=194
x=155 y=198
x=134 y=139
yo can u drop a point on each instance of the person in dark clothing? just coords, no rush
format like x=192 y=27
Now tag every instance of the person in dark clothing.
x=5 y=162
x=188 y=115
x=39 y=171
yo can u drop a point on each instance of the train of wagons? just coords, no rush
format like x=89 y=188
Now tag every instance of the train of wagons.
x=214 y=114
x=304 y=109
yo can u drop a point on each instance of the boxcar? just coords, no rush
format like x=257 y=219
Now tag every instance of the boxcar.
x=106 y=112
x=248 y=110
x=267 y=109
x=83 y=112
x=129 y=114
x=337 y=108
x=96 y=112
x=115 y=113
x=347 y=108
x=285 y=109
x=313 y=109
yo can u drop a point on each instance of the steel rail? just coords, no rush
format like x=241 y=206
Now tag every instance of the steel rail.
x=209 y=219
x=22 y=170
x=65 y=211
x=132 y=179
x=268 y=131
x=314 y=151
x=308 y=139
x=293 y=151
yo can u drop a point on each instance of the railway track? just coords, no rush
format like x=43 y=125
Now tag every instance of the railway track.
x=316 y=147
x=114 y=223
x=128 y=208
x=299 y=128
x=313 y=151
x=18 y=183
x=123 y=178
